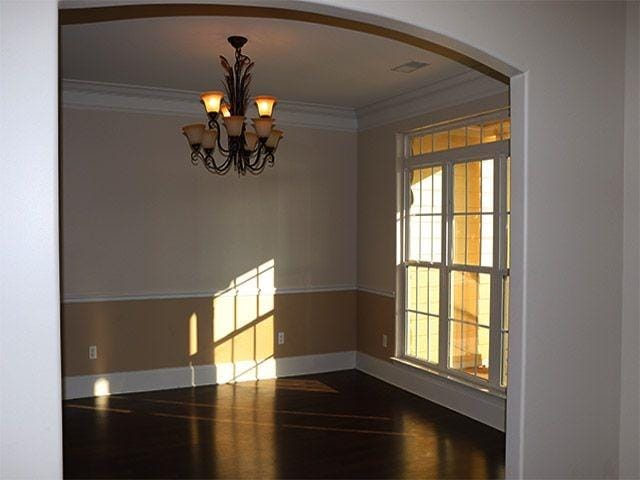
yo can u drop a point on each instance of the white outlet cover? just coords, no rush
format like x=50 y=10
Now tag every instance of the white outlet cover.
x=384 y=341
x=280 y=338
x=93 y=352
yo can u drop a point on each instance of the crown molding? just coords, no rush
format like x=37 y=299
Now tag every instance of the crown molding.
x=85 y=95
x=452 y=91
x=456 y=90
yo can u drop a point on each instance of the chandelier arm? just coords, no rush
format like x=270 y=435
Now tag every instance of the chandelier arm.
x=258 y=167
x=258 y=154
x=211 y=165
x=196 y=155
x=216 y=125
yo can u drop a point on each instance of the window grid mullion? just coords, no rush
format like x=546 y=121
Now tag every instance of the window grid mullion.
x=443 y=324
x=495 y=332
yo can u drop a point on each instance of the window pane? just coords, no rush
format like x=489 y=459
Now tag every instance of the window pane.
x=487 y=185
x=436 y=172
x=473 y=134
x=474 y=234
x=469 y=347
x=422 y=336
x=484 y=299
x=459 y=251
x=505 y=303
x=506 y=129
x=491 y=132
x=508 y=245
x=411 y=334
x=483 y=353
x=457 y=138
x=437 y=239
x=440 y=141
x=434 y=291
x=425 y=186
x=412 y=283
x=474 y=187
x=470 y=297
x=455 y=345
x=486 y=245
x=460 y=188
x=414 y=238
x=426 y=237
x=508 y=184
x=425 y=211
x=415 y=146
x=423 y=289
x=505 y=358
x=434 y=339
x=427 y=143
x=473 y=192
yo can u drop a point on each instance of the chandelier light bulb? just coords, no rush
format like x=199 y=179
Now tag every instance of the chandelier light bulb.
x=209 y=139
x=265 y=104
x=194 y=133
x=263 y=127
x=234 y=124
x=250 y=141
x=274 y=138
x=211 y=101
x=225 y=110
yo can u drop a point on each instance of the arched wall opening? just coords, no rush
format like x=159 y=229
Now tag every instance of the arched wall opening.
x=75 y=13
x=559 y=110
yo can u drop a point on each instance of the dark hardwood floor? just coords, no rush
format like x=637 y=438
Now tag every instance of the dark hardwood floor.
x=334 y=425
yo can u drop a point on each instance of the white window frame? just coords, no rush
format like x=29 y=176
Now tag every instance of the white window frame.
x=499 y=152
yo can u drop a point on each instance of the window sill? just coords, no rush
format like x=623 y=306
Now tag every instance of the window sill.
x=495 y=392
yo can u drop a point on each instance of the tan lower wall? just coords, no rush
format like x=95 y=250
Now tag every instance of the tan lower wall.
x=376 y=317
x=160 y=333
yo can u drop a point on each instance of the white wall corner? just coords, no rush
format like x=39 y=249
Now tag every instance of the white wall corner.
x=456 y=90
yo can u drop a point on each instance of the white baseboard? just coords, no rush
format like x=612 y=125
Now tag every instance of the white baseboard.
x=80 y=386
x=473 y=403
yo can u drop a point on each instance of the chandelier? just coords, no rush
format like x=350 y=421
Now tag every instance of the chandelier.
x=247 y=151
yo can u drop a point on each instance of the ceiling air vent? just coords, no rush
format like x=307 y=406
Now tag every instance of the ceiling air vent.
x=409 y=67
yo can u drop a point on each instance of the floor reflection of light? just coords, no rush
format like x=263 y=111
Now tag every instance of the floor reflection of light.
x=98 y=409
x=254 y=409
x=234 y=421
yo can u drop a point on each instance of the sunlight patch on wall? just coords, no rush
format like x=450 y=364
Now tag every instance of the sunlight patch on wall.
x=101 y=387
x=243 y=327
x=193 y=334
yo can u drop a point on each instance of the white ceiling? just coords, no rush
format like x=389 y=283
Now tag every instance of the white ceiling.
x=295 y=61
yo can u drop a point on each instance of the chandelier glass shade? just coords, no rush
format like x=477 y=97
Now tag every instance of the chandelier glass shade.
x=246 y=150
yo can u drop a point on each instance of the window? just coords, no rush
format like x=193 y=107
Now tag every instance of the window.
x=455 y=280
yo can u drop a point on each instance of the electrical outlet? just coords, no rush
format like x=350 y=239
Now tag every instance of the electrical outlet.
x=93 y=352
x=280 y=338
x=384 y=341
